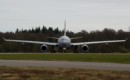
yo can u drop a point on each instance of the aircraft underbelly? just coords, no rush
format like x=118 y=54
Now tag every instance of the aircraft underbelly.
x=64 y=45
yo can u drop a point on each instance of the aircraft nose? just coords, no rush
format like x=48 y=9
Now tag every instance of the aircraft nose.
x=64 y=42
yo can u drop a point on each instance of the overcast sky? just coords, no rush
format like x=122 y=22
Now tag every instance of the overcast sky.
x=80 y=14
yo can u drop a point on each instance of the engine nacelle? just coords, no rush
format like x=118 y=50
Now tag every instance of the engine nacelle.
x=44 y=48
x=85 y=48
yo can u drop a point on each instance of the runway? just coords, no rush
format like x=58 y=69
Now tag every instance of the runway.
x=66 y=64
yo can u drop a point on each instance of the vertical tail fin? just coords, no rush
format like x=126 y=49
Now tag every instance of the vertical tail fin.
x=65 y=28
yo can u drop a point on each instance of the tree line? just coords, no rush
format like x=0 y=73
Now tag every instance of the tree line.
x=43 y=34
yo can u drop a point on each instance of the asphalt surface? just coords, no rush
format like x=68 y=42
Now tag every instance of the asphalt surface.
x=66 y=64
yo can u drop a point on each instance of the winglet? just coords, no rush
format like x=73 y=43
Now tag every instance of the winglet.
x=4 y=38
x=126 y=39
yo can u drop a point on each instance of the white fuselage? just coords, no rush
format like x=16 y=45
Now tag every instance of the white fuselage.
x=64 y=42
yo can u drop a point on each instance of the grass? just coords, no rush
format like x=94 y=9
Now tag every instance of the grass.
x=35 y=73
x=109 y=57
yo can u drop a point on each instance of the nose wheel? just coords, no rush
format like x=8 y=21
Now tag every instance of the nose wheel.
x=64 y=50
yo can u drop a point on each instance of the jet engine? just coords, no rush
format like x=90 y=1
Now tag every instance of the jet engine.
x=44 y=48
x=85 y=48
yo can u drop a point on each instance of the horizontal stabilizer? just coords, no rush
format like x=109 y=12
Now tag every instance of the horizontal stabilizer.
x=53 y=37
x=76 y=38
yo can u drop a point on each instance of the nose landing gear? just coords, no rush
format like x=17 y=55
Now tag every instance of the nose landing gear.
x=64 y=50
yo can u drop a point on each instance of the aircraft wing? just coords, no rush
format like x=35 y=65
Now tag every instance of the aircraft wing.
x=33 y=42
x=98 y=42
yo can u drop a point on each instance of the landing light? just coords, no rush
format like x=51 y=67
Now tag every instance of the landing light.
x=64 y=48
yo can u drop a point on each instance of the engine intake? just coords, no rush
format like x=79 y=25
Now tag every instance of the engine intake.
x=44 y=48
x=85 y=48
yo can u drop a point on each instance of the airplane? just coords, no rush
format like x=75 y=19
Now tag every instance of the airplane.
x=64 y=42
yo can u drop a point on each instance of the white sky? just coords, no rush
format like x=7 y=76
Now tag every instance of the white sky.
x=80 y=14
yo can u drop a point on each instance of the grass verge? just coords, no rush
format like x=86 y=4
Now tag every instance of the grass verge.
x=109 y=57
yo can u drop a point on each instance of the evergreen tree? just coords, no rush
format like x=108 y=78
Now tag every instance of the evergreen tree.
x=44 y=29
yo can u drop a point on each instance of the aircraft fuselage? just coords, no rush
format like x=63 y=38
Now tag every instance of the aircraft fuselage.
x=64 y=42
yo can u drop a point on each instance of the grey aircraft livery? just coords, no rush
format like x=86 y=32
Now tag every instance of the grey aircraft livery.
x=64 y=42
